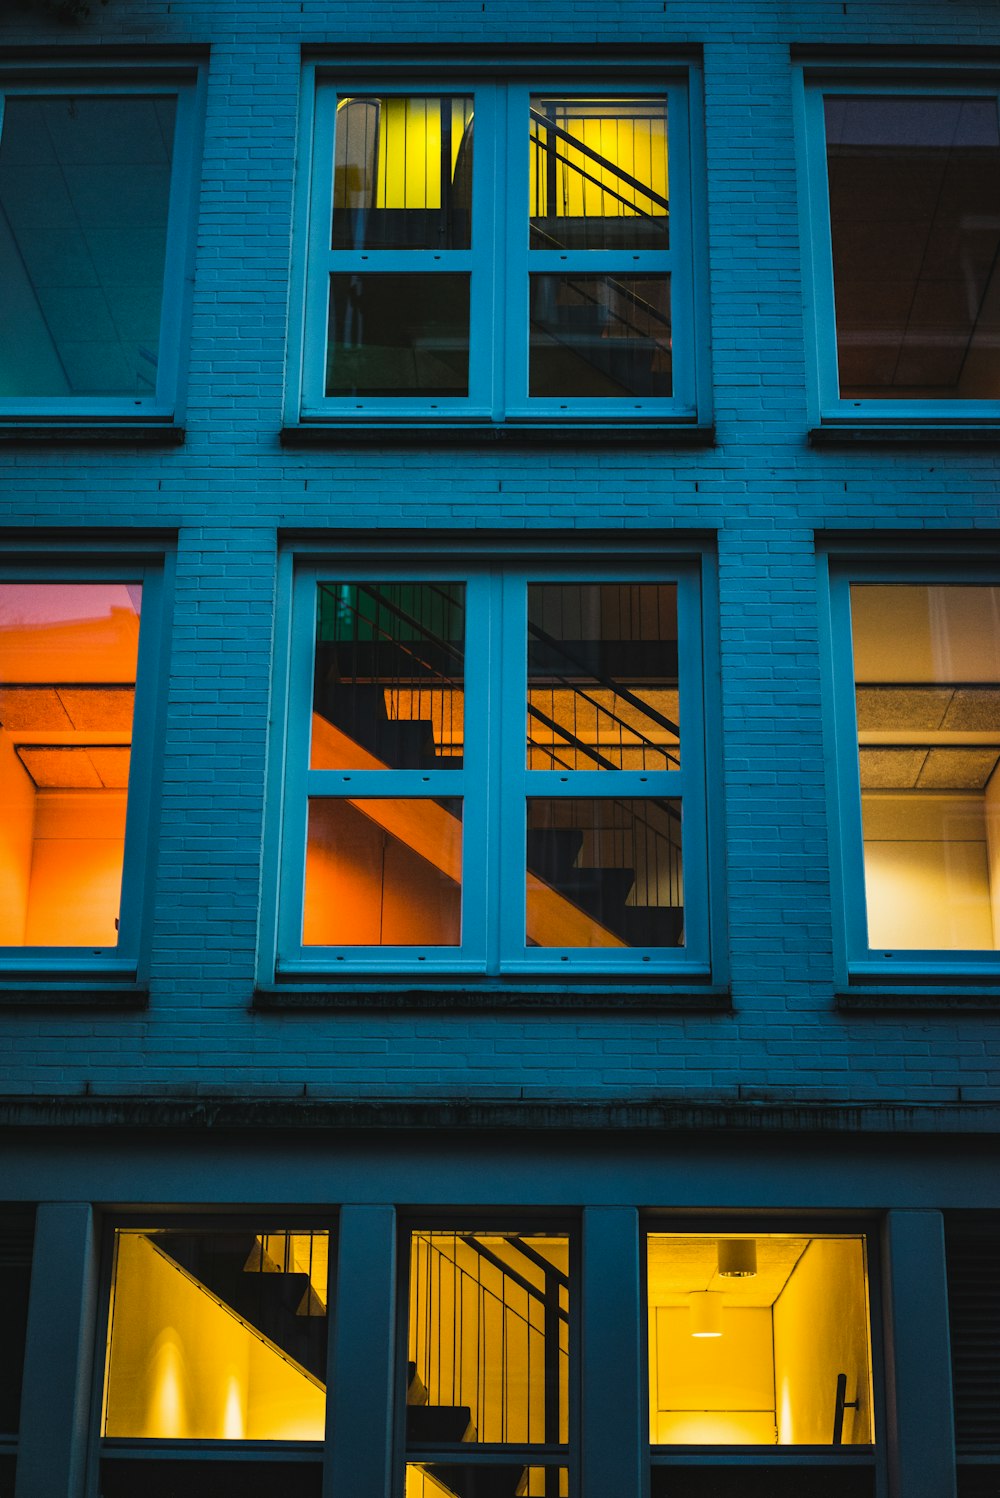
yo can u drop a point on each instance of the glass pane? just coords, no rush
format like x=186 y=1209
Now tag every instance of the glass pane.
x=473 y=1480
x=210 y=1479
x=914 y=185
x=758 y=1341
x=383 y=873
x=488 y=1343
x=597 y=336
x=84 y=191
x=398 y=335
x=67 y=686
x=764 y=1482
x=599 y=174
x=390 y=672
x=927 y=684
x=604 y=873
x=218 y=1335
x=402 y=177
x=602 y=676
x=16 y=1236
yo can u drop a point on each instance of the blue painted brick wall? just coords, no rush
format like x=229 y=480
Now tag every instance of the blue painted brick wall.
x=761 y=491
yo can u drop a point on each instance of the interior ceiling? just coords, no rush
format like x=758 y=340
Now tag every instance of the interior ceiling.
x=76 y=767
x=912 y=710
x=97 y=708
x=677 y=1266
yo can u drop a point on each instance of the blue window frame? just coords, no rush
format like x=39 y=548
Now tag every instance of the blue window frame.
x=79 y=673
x=497 y=251
x=484 y=771
x=917 y=711
x=902 y=181
x=96 y=191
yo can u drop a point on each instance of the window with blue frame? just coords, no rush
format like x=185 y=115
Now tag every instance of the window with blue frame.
x=904 y=183
x=76 y=678
x=487 y=772
x=918 y=711
x=499 y=252
x=95 y=197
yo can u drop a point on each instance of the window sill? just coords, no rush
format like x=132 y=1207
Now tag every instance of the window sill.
x=952 y=998
x=64 y=433
x=618 y=998
x=958 y=432
x=24 y=992
x=346 y=432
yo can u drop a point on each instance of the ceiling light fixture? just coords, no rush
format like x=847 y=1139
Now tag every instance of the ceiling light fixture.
x=705 y=1313
x=737 y=1258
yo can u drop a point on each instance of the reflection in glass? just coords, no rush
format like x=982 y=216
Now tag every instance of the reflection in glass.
x=84 y=193
x=785 y=1481
x=604 y=873
x=914 y=188
x=403 y=173
x=383 y=873
x=218 y=1335
x=209 y=1478
x=485 y=1480
x=599 y=174
x=389 y=676
x=16 y=1235
x=787 y=1361
x=488 y=1351
x=68 y=656
x=927 y=682
x=602 y=676
x=392 y=335
x=606 y=335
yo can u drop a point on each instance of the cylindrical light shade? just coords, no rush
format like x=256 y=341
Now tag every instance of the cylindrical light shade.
x=737 y=1258
x=705 y=1313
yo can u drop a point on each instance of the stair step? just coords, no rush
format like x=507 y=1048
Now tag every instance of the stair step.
x=651 y=925
x=470 y=1481
x=552 y=852
x=439 y=1424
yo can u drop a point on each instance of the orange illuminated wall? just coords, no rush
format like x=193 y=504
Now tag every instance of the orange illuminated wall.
x=68 y=655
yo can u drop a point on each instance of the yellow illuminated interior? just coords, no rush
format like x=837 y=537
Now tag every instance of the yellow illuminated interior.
x=481 y=1364
x=68 y=656
x=619 y=136
x=183 y=1364
x=788 y=1331
x=389 y=149
x=927 y=676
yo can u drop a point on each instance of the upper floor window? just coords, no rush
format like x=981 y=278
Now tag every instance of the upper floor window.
x=499 y=252
x=74 y=746
x=906 y=184
x=499 y=770
x=94 y=207
x=920 y=739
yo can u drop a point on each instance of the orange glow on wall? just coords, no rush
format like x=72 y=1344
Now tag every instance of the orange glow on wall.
x=68 y=654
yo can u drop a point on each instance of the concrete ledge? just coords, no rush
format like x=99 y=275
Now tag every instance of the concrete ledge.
x=905 y=434
x=73 y=996
x=648 y=1115
x=335 y=434
x=552 y=1000
x=90 y=434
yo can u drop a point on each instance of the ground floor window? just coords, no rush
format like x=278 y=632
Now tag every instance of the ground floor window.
x=488 y=1370
x=217 y=1342
x=759 y=1341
